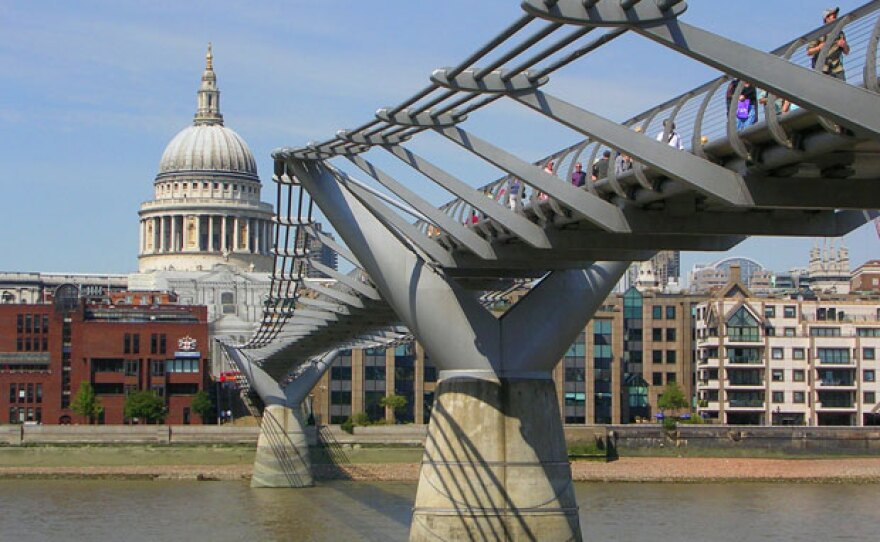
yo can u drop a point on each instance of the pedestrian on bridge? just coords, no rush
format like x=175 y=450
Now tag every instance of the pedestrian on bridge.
x=833 y=65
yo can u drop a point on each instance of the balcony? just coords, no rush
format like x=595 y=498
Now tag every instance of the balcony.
x=746 y=403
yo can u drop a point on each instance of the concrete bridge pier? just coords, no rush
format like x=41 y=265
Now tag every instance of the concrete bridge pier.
x=282 y=458
x=495 y=464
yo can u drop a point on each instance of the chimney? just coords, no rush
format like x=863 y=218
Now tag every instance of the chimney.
x=735 y=274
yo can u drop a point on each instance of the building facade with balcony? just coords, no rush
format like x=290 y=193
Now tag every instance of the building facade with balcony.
x=614 y=371
x=787 y=360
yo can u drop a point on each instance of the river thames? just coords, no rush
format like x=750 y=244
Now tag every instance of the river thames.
x=73 y=510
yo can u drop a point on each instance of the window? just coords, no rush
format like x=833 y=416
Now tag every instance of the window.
x=131 y=367
x=657 y=379
x=657 y=312
x=159 y=390
x=869 y=397
x=789 y=332
x=126 y=344
x=340 y=372
x=824 y=332
x=777 y=353
x=778 y=375
x=789 y=311
x=656 y=334
x=742 y=326
x=778 y=396
x=838 y=356
x=868 y=353
x=45 y=323
x=770 y=331
x=670 y=378
x=657 y=356
x=868 y=375
x=670 y=356
x=797 y=375
x=770 y=311
x=27 y=323
x=670 y=312
x=340 y=397
x=19 y=323
x=868 y=331
x=162 y=343
x=136 y=343
x=154 y=343
x=798 y=353
x=157 y=368
x=182 y=366
x=670 y=334
x=798 y=397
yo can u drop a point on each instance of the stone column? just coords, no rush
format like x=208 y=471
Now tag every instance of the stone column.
x=483 y=435
x=173 y=243
x=198 y=242
x=162 y=230
x=223 y=244
x=235 y=234
x=210 y=246
x=282 y=458
x=141 y=237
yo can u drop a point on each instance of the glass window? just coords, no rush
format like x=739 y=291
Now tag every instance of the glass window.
x=126 y=344
x=656 y=334
x=670 y=334
x=777 y=353
x=770 y=311
x=670 y=378
x=833 y=355
x=869 y=331
x=657 y=312
x=798 y=375
x=867 y=353
x=778 y=396
x=824 y=332
x=789 y=332
x=778 y=375
x=868 y=375
x=798 y=353
x=657 y=379
x=671 y=356
x=670 y=312
x=657 y=356
x=789 y=311
x=869 y=397
x=158 y=368
x=798 y=397
x=742 y=326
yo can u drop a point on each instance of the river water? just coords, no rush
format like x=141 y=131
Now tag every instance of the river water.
x=49 y=510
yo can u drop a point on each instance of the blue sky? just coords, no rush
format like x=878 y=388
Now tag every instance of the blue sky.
x=92 y=91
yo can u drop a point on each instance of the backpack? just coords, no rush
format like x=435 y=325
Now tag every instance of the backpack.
x=742 y=109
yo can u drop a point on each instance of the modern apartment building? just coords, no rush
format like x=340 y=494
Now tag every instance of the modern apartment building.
x=796 y=360
x=614 y=372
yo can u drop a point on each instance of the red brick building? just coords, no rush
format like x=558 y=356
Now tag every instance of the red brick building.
x=46 y=351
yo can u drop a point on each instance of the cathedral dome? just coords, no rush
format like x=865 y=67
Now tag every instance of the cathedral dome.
x=207 y=147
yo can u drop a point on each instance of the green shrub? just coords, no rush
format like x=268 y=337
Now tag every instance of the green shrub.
x=361 y=419
x=347 y=425
x=669 y=424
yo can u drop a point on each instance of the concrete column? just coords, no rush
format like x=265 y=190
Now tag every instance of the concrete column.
x=282 y=458
x=495 y=465
x=141 y=237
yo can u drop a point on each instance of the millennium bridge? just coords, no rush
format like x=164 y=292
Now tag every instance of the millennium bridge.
x=495 y=464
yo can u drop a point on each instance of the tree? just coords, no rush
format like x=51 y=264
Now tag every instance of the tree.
x=146 y=405
x=395 y=402
x=85 y=403
x=672 y=398
x=202 y=405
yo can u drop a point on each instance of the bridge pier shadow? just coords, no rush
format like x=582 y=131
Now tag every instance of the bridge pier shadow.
x=495 y=465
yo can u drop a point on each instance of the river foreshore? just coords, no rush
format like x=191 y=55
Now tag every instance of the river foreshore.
x=626 y=469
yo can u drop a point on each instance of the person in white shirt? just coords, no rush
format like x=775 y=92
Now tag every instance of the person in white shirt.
x=670 y=135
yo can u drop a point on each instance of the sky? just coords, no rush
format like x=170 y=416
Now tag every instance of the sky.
x=92 y=91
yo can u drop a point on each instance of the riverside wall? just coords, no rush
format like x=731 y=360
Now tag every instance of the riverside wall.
x=620 y=438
